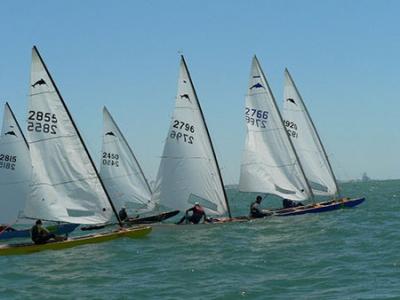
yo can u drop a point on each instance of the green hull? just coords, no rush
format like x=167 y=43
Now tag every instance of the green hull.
x=27 y=248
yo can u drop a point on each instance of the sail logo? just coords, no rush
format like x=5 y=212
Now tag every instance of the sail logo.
x=110 y=133
x=185 y=96
x=256 y=76
x=39 y=82
x=256 y=86
x=11 y=132
x=291 y=100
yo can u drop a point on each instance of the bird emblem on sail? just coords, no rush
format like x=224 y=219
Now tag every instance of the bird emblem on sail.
x=291 y=100
x=256 y=86
x=39 y=82
x=256 y=76
x=185 y=96
x=11 y=132
x=110 y=133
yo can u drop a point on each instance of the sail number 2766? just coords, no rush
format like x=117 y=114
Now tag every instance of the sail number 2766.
x=42 y=122
x=256 y=117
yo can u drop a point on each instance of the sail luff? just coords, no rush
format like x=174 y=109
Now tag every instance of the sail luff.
x=315 y=131
x=78 y=133
x=290 y=140
x=209 y=140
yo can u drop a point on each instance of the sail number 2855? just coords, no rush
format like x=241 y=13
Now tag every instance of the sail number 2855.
x=42 y=122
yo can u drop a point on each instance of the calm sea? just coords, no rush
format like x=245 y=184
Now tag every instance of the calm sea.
x=345 y=254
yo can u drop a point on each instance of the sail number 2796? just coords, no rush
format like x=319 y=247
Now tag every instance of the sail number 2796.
x=256 y=117
x=183 y=132
x=42 y=122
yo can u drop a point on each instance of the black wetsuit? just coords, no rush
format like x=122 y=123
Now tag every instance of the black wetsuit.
x=123 y=215
x=289 y=203
x=40 y=235
x=256 y=211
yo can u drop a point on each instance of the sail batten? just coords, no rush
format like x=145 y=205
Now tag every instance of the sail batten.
x=269 y=162
x=65 y=183
x=189 y=170
x=307 y=142
x=121 y=172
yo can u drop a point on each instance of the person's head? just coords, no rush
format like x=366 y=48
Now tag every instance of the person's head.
x=39 y=222
x=258 y=199
x=196 y=204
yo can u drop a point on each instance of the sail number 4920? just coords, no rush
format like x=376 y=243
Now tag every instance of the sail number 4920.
x=39 y=121
x=256 y=117
x=291 y=128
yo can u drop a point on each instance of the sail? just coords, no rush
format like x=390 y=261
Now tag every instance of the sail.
x=65 y=183
x=188 y=171
x=15 y=168
x=269 y=163
x=306 y=141
x=120 y=171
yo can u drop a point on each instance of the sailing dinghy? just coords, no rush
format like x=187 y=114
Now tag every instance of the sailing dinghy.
x=189 y=170
x=311 y=153
x=65 y=184
x=270 y=163
x=124 y=178
x=15 y=177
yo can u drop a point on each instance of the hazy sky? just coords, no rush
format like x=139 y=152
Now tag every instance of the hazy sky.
x=343 y=55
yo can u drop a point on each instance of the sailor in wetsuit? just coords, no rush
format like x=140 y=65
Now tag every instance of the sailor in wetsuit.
x=197 y=214
x=123 y=215
x=286 y=203
x=41 y=235
x=256 y=211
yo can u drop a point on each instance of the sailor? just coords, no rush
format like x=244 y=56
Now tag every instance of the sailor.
x=256 y=211
x=40 y=235
x=123 y=215
x=286 y=203
x=197 y=214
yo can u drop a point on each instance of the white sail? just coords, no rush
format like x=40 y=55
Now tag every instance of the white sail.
x=120 y=171
x=269 y=163
x=15 y=168
x=188 y=170
x=306 y=141
x=65 y=186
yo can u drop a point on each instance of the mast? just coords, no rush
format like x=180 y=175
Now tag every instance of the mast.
x=16 y=122
x=290 y=140
x=130 y=151
x=209 y=139
x=315 y=130
x=79 y=136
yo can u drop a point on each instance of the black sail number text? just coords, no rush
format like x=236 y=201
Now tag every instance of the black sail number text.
x=110 y=159
x=8 y=161
x=256 y=117
x=182 y=132
x=291 y=128
x=39 y=121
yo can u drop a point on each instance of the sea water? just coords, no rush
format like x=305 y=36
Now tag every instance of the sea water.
x=344 y=254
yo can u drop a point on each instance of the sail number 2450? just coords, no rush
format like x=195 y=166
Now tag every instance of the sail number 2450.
x=42 y=122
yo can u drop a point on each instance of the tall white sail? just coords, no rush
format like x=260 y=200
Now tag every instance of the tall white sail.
x=306 y=141
x=269 y=163
x=121 y=172
x=65 y=186
x=188 y=170
x=15 y=168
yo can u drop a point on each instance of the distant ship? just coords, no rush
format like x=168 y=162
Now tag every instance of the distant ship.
x=365 y=177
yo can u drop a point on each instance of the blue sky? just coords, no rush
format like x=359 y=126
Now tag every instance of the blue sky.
x=343 y=55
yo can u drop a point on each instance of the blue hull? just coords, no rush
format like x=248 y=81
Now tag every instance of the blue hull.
x=319 y=207
x=26 y=233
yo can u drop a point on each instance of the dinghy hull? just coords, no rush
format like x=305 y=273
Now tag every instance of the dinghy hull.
x=26 y=233
x=28 y=248
x=319 y=207
x=153 y=219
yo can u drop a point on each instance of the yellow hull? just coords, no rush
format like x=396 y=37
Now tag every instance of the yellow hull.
x=27 y=248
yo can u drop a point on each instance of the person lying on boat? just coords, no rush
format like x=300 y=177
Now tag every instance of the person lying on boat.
x=197 y=214
x=256 y=211
x=286 y=203
x=40 y=235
